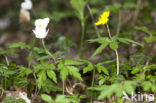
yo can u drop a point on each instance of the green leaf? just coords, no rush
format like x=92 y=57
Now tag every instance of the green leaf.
x=100 y=40
x=79 y=6
x=99 y=49
x=90 y=67
x=145 y=29
x=41 y=78
x=20 y=101
x=64 y=73
x=107 y=91
x=51 y=74
x=46 y=98
x=74 y=72
x=153 y=88
x=9 y=100
x=48 y=87
x=62 y=99
x=136 y=69
x=71 y=62
x=127 y=41
x=21 y=45
x=113 y=45
x=128 y=87
x=101 y=68
x=146 y=85
x=20 y=81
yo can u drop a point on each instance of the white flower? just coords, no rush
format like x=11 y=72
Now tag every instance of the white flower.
x=26 y=5
x=40 y=29
x=42 y=23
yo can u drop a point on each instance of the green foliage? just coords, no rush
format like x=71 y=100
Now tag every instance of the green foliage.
x=59 y=99
x=79 y=6
x=21 y=45
x=113 y=45
x=104 y=41
x=106 y=91
x=67 y=67
x=43 y=71
x=13 y=100
x=127 y=41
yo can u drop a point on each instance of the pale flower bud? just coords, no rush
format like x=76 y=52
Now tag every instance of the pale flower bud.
x=26 y=5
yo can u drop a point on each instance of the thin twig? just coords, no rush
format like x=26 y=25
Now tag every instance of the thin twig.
x=92 y=17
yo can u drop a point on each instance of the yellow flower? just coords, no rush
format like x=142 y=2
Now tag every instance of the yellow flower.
x=103 y=18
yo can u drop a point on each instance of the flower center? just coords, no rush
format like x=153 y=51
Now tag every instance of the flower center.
x=40 y=25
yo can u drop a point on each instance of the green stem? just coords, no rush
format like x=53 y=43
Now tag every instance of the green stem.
x=119 y=24
x=93 y=77
x=116 y=52
x=136 y=12
x=63 y=87
x=91 y=99
x=31 y=52
x=82 y=35
x=43 y=43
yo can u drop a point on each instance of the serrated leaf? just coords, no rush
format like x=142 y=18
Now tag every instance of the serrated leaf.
x=128 y=88
x=41 y=78
x=127 y=41
x=100 y=40
x=71 y=62
x=46 y=98
x=90 y=67
x=74 y=72
x=51 y=74
x=107 y=91
x=64 y=73
x=100 y=49
x=146 y=85
x=49 y=87
x=113 y=45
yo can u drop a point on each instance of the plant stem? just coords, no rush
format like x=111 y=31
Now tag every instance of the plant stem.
x=43 y=43
x=82 y=35
x=92 y=17
x=6 y=59
x=119 y=23
x=63 y=87
x=93 y=77
x=31 y=52
x=116 y=52
x=92 y=83
x=136 y=12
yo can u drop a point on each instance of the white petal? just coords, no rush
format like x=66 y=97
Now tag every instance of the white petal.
x=42 y=23
x=40 y=33
x=37 y=22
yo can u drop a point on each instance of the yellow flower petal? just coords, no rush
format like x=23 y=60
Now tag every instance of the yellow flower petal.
x=105 y=14
x=103 y=18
